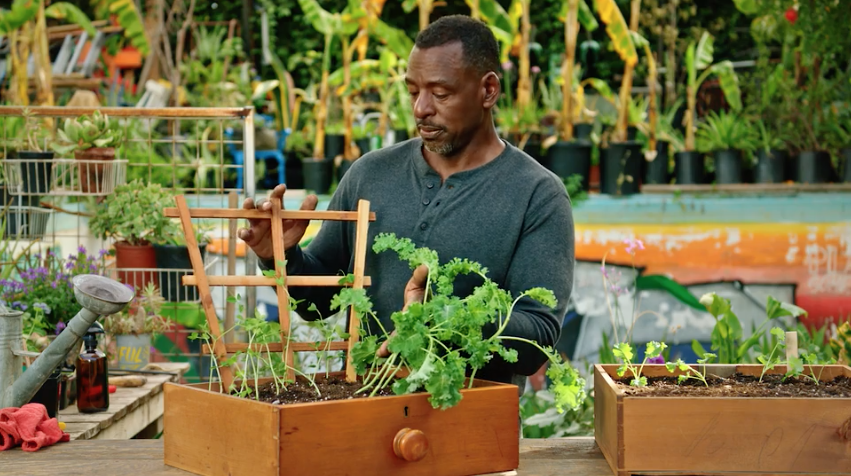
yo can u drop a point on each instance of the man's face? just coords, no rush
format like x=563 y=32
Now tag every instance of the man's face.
x=446 y=96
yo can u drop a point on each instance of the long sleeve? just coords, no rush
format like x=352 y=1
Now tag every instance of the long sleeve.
x=544 y=257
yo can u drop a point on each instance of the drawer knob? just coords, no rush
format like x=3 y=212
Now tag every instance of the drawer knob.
x=410 y=445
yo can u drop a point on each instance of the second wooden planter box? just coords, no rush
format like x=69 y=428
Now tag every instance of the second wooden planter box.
x=721 y=435
x=210 y=433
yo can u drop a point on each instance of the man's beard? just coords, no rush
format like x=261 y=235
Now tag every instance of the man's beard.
x=440 y=148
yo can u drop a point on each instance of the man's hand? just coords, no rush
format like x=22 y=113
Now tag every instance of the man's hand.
x=414 y=292
x=259 y=234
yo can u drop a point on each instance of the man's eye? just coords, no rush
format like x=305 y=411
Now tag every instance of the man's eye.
x=440 y=96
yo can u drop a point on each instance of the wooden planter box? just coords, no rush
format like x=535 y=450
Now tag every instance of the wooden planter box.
x=210 y=433
x=719 y=435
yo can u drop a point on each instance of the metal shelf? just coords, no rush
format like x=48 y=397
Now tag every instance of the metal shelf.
x=39 y=177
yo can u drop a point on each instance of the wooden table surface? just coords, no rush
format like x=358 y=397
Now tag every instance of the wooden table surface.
x=538 y=457
x=131 y=409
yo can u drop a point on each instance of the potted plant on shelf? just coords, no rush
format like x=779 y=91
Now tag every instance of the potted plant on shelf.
x=133 y=216
x=726 y=136
x=133 y=328
x=172 y=259
x=771 y=157
x=93 y=140
x=30 y=169
x=689 y=163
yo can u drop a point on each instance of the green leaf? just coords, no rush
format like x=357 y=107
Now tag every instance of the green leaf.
x=704 y=52
x=586 y=17
x=321 y=20
x=697 y=348
x=71 y=13
x=715 y=304
x=623 y=351
x=729 y=82
x=602 y=88
x=748 y=7
x=395 y=39
x=776 y=309
x=21 y=12
x=779 y=333
x=654 y=349
x=795 y=366
x=664 y=283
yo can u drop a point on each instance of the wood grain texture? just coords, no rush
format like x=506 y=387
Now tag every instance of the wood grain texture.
x=330 y=215
x=281 y=292
x=607 y=419
x=546 y=457
x=720 y=435
x=361 y=237
x=278 y=347
x=190 y=280
x=197 y=261
x=479 y=435
x=144 y=112
x=214 y=434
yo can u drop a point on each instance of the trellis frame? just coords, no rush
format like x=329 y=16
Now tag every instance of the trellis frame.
x=277 y=215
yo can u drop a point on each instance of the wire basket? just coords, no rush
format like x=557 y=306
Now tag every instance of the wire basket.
x=64 y=176
x=26 y=223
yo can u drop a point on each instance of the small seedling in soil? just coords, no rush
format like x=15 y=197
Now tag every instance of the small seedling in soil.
x=624 y=352
x=691 y=372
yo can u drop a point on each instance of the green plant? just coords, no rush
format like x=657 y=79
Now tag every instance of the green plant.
x=794 y=363
x=691 y=372
x=726 y=337
x=134 y=213
x=625 y=352
x=142 y=316
x=87 y=132
x=722 y=131
x=575 y=191
x=767 y=139
x=438 y=346
x=178 y=238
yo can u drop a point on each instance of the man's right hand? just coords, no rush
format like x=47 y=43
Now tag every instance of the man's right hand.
x=259 y=233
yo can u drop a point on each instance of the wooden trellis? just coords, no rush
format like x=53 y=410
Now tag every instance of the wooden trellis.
x=277 y=215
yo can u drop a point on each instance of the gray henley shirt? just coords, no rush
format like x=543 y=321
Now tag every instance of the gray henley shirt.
x=511 y=215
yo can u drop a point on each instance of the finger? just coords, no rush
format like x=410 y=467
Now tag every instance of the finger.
x=420 y=276
x=278 y=192
x=248 y=204
x=245 y=234
x=309 y=202
x=382 y=351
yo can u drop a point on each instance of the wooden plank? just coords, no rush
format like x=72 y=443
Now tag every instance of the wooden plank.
x=189 y=280
x=135 y=420
x=361 y=237
x=239 y=213
x=215 y=434
x=204 y=289
x=607 y=419
x=538 y=457
x=479 y=435
x=281 y=292
x=279 y=347
x=142 y=112
x=748 y=188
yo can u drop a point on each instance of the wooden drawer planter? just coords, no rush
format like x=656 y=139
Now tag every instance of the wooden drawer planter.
x=210 y=433
x=721 y=435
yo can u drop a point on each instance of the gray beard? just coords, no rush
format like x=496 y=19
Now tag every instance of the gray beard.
x=443 y=149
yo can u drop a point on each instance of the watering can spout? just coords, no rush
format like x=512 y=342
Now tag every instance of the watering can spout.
x=99 y=296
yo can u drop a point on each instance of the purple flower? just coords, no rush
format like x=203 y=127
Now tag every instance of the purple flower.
x=59 y=327
x=44 y=307
x=632 y=244
x=507 y=66
x=535 y=69
x=81 y=249
x=604 y=271
x=656 y=360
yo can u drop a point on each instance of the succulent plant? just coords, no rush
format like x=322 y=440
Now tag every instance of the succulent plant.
x=87 y=132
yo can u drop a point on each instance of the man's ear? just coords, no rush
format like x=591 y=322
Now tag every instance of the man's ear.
x=492 y=88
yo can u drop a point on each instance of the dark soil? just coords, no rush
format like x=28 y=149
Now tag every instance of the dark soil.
x=740 y=386
x=333 y=388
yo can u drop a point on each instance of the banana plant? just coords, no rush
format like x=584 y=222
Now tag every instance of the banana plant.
x=699 y=58
x=652 y=106
x=25 y=25
x=619 y=32
x=425 y=7
x=572 y=14
x=128 y=18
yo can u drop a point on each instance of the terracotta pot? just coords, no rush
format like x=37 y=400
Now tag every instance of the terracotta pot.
x=91 y=174
x=135 y=259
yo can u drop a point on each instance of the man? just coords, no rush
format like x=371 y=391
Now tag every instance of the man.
x=457 y=189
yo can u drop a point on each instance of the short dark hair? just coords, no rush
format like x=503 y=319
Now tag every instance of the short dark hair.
x=481 y=51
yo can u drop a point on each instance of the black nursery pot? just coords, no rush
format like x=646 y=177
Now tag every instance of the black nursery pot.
x=295 y=172
x=570 y=158
x=656 y=171
x=583 y=132
x=812 y=167
x=620 y=158
x=174 y=257
x=364 y=145
x=334 y=145
x=728 y=166
x=318 y=175
x=845 y=157
x=688 y=167
x=401 y=135
x=533 y=148
x=631 y=132
x=770 y=166
x=35 y=174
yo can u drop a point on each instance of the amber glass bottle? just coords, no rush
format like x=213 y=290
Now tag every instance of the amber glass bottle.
x=92 y=375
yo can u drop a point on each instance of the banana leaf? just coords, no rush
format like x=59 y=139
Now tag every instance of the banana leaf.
x=128 y=18
x=584 y=15
x=21 y=12
x=393 y=38
x=617 y=30
x=72 y=14
x=729 y=82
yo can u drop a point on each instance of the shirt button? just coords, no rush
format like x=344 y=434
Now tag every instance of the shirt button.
x=423 y=226
x=430 y=185
x=426 y=201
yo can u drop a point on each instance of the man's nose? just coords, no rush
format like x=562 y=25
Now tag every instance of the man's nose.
x=423 y=105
